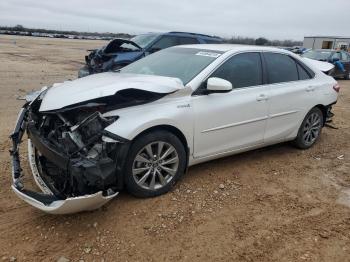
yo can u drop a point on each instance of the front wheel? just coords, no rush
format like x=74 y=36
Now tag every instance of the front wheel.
x=154 y=164
x=310 y=129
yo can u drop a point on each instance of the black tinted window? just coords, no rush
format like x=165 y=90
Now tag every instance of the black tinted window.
x=187 y=40
x=241 y=70
x=165 y=42
x=303 y=75
x=281 y=68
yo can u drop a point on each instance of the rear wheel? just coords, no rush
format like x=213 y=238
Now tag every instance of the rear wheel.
x=155 y=163
x=310 y=129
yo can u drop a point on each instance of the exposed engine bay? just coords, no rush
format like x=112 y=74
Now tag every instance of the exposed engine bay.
x=87 y=154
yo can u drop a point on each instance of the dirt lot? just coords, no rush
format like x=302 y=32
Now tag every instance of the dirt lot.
x=277 y=203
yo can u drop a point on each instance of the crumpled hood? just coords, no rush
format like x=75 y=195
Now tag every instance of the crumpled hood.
x=102 y=85
x=320 y=65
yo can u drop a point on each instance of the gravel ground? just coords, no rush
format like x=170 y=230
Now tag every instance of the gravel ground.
x=272 y=204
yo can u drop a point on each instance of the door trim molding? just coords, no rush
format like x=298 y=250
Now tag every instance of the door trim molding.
x=235 y=124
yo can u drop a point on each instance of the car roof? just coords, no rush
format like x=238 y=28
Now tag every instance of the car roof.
x=203 y=36
x=234 y=48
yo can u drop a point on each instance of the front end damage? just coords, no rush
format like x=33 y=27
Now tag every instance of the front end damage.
x=76 y=162
x=72 y=158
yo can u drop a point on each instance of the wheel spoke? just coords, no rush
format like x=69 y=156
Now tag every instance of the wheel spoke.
x=144 y=178
x=160 y=149
x=170 y=171
x=168 y=152
x=171 y=161
x=305 y=136
x=142 y=159
x=137 y=171
x=161 y=178
x=153 y=180
x=149 y=151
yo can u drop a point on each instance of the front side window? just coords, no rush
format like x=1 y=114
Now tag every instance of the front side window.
x=280 y=68
x=242 y=70
x=165 y=42
x=187 y=41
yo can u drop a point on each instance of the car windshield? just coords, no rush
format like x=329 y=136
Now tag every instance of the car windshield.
x=141 y=40
x=317 y=55
x=182 y=63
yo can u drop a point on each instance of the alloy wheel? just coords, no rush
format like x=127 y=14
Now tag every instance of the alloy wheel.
x=312 y=128
x=155 y=165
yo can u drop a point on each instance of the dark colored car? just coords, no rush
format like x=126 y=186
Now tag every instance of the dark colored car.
x=332 y=56
x=121 y=52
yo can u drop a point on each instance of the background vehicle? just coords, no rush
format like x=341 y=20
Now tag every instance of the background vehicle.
x=121 y=52
x=332 y=56
x=141 y=127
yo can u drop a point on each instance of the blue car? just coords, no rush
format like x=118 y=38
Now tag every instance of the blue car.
x=121 y=52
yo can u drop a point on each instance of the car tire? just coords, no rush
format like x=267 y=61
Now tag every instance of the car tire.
x=149 y=177
x=310 y=129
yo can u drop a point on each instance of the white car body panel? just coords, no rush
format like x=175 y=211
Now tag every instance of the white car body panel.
x=102 y=85
x=322 y=66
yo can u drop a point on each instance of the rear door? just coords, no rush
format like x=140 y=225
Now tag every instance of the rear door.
x=291 y=91
x=226 y=122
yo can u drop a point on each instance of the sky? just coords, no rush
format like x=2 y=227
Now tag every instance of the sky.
x=273 y=19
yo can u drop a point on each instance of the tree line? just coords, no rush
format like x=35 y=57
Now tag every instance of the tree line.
x=232 y=40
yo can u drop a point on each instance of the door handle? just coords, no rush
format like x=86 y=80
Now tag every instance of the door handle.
x=262 y=97
x=310 y=88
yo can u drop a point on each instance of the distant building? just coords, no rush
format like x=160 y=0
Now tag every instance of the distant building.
x=327 y=42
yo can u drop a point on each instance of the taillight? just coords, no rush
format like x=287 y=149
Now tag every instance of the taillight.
x=336 y=87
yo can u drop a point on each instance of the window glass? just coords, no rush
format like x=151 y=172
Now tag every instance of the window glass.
x=336 y=55
x=187 y=40
x=281 y=68
x=185 y=63
x=344 y=56
x=242 y=70
x=165 y=42
x=303 y=75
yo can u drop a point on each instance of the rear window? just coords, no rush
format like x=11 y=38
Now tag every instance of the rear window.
x=280 y=68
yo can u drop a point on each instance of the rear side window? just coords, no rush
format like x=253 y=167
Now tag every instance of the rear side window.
x=165 y=42
x=280 y=68
x=303 y=74
x=241 y=70
x=187 y=41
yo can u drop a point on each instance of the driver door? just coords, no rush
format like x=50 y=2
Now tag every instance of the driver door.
x=235 y=120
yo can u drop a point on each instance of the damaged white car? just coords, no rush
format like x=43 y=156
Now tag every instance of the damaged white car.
x=141 y=127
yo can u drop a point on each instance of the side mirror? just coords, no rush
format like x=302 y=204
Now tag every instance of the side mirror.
x=215 y=84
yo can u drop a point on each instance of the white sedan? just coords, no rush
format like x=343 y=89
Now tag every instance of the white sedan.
x=141 y=127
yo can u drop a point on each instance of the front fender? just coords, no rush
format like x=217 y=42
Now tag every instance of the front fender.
x=135 y=120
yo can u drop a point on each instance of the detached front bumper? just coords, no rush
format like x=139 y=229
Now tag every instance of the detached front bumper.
x=46 y=200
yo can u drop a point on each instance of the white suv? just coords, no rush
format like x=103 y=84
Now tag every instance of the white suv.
x=142 y=126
